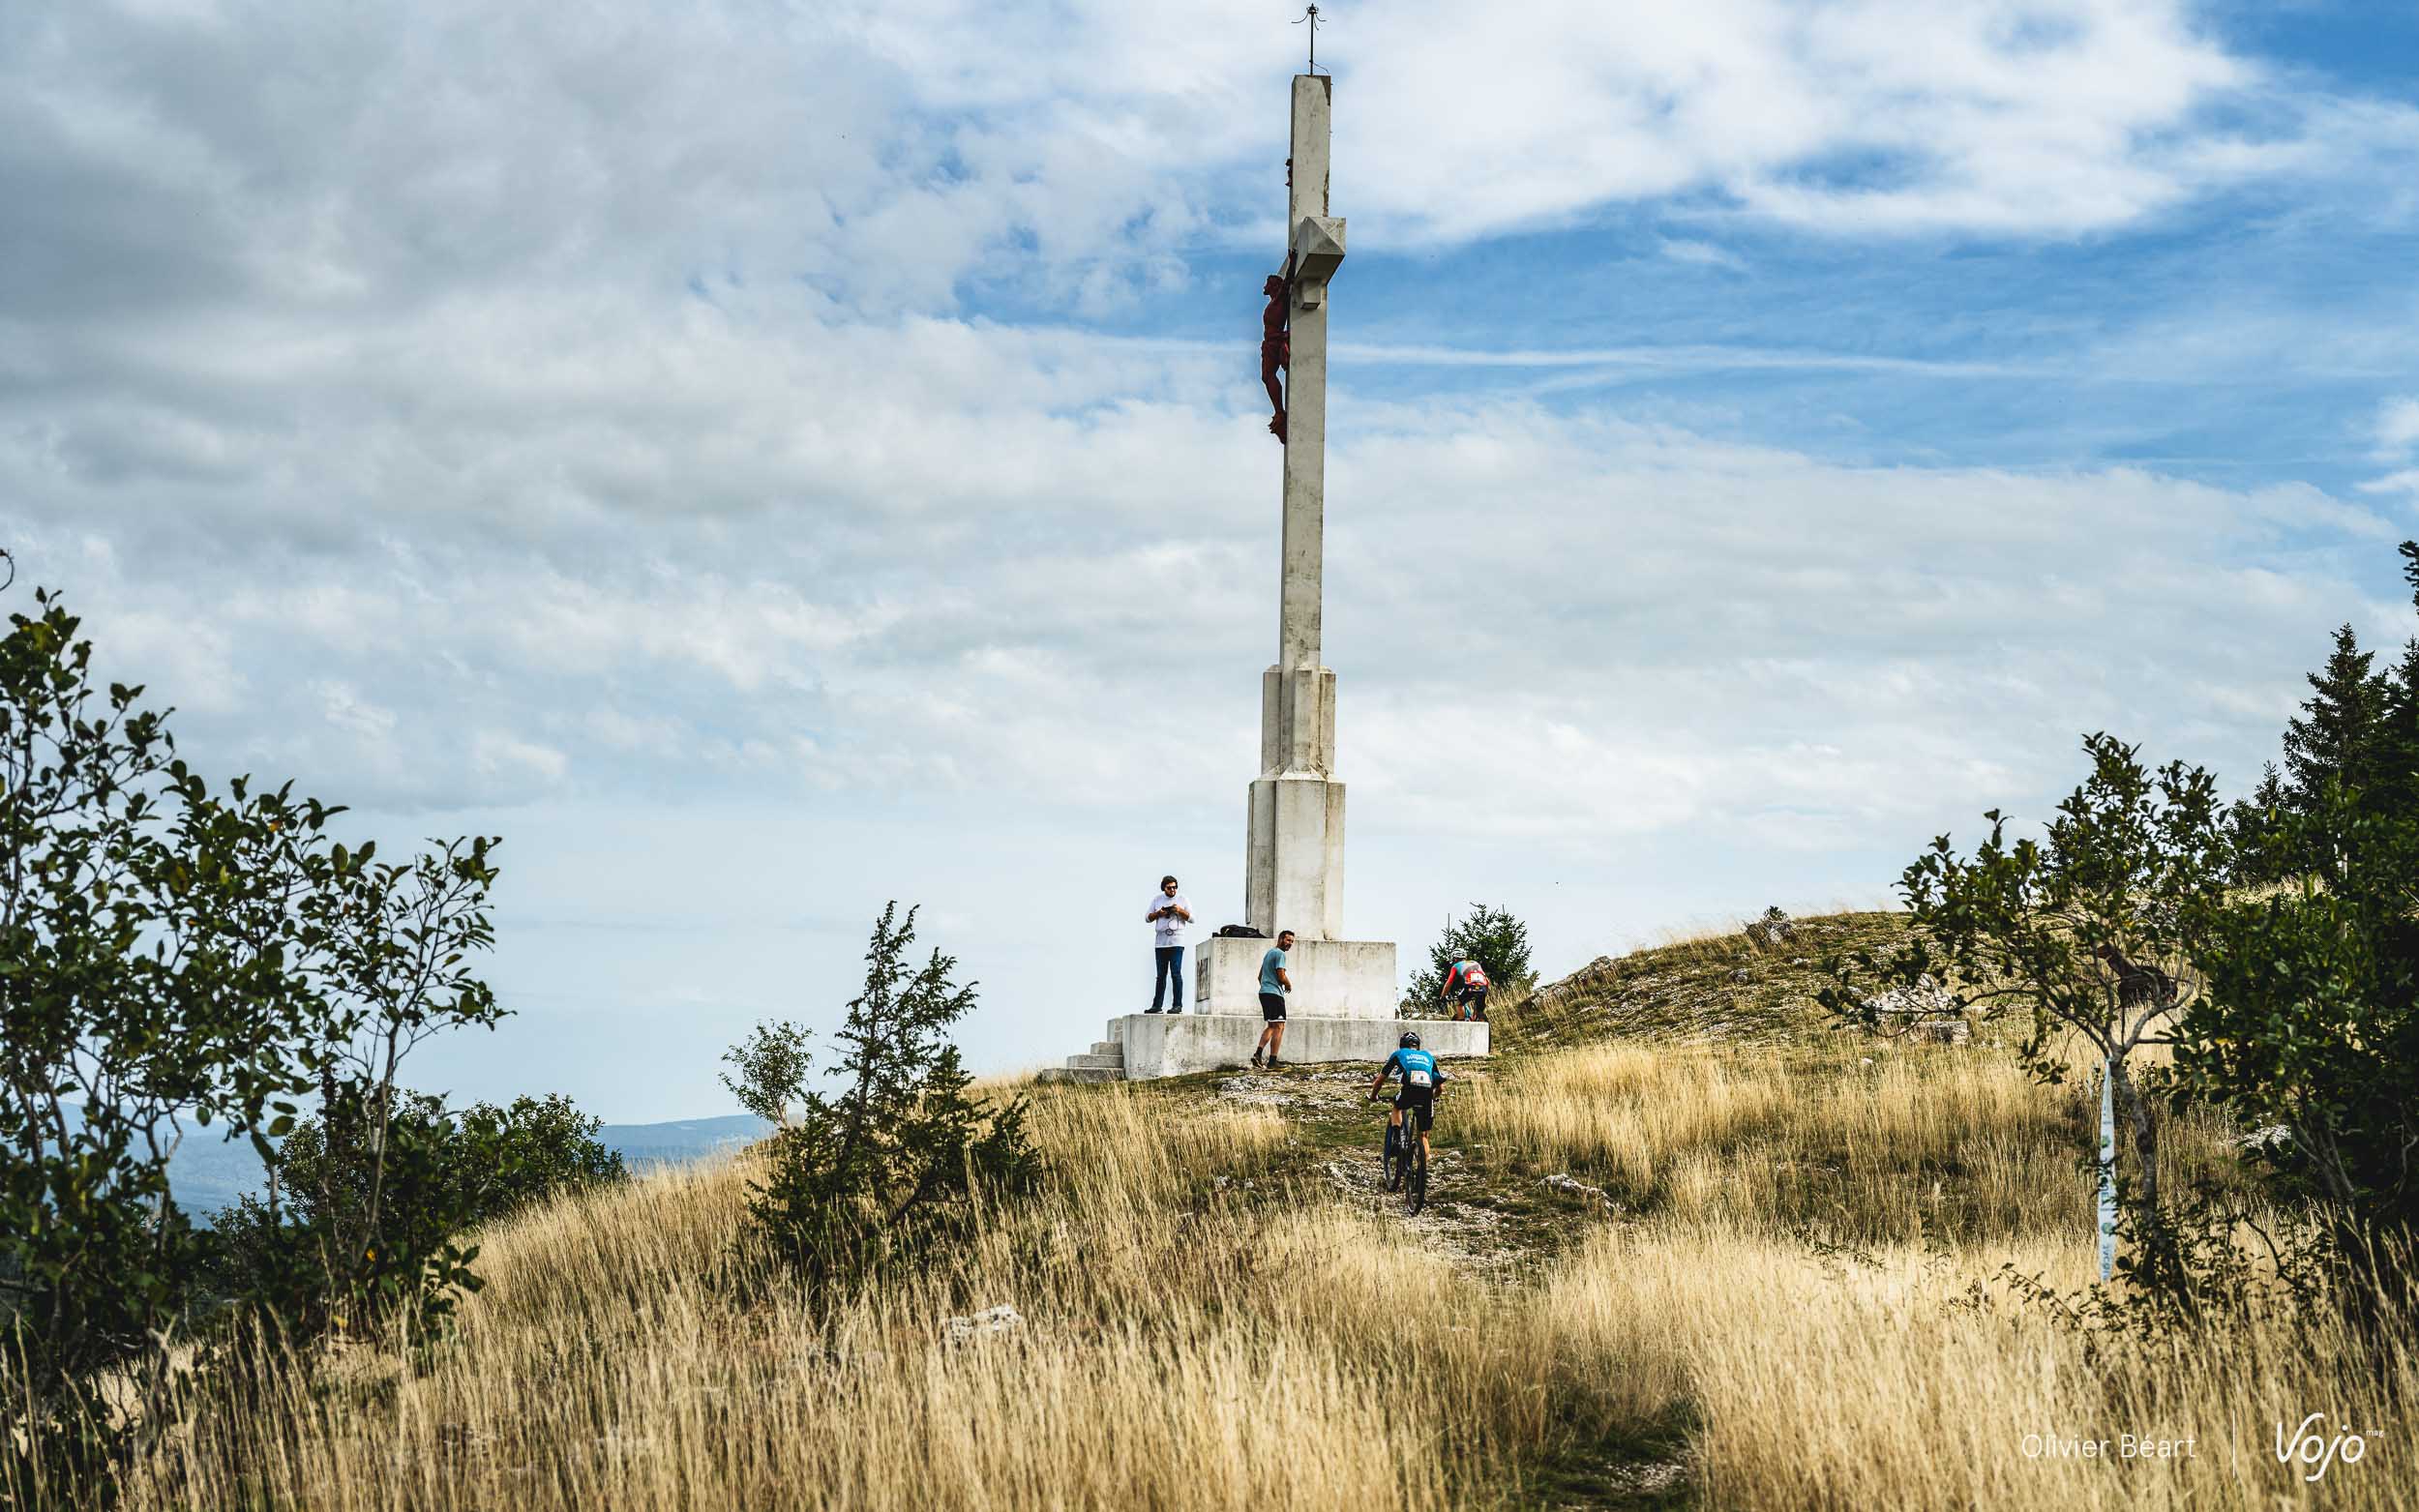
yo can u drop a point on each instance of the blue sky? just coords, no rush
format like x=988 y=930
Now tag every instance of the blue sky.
x=763 y=459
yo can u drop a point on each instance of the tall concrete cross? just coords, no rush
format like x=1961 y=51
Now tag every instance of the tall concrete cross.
x=1345 y=999
x=1294 y=873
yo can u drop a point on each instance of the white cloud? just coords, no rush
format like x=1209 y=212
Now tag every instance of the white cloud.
x=1703 y=254
x=2396 y=429
x=497 y=752
x=435 y=162
x=348 y=712
x=2404 y=482
x=1017 y=586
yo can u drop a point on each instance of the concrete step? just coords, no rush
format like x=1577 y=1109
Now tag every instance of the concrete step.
x=1116 y=1062
x=1109 y=1047
x=1064 y=1074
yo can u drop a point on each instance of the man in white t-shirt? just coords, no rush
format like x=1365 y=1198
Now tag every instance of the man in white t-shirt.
x=1167 y=918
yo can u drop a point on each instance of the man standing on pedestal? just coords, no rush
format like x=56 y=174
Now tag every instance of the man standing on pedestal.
x=1167 y=918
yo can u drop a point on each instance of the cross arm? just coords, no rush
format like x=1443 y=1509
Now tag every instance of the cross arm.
x=1318 y=251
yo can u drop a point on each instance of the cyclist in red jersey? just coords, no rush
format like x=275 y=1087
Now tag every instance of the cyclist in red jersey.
x=1465 y=990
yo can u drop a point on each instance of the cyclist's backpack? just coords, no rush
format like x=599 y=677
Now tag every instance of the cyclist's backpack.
x=1240 y=932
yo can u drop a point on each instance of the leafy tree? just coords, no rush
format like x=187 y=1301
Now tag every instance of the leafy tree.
x=2094 y=934
x=898 y=1156
x=2309 y=1022
x=2394 y=778
x=398 y=971
x=1491 y=936
x=768 y=1068
x=170 y=956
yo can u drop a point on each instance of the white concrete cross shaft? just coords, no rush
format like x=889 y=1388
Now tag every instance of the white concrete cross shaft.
x=1315 y=242
x=1294 y=871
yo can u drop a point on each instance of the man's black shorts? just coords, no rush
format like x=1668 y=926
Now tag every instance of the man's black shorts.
x=1419 y=1104
x=1473 y=1001
x=1272 y=1007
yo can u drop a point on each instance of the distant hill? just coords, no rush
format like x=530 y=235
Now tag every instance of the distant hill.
x=643 y=1144
x=209 y=1173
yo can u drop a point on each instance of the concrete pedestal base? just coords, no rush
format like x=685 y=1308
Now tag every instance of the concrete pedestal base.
x=1163 y=1045
x=1333 y=978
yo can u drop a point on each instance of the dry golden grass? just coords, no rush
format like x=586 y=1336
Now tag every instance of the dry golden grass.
x=1858 y=1383
x=1184 y=1350
x=1196 y=1345
x=1860 y=1140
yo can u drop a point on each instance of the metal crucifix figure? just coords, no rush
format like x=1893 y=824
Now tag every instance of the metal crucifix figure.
x=1276 y=348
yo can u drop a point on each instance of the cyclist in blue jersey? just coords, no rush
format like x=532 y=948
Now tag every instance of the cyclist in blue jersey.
x=1423 y=1077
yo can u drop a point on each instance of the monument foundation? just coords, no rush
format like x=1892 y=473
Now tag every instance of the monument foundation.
x=1165 y=1045
x=1333 y=978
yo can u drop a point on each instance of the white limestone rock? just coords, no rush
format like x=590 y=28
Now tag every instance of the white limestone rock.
x=1003 y=1319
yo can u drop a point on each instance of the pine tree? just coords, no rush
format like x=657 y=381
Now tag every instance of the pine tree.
x=2333 y=740
x=2252 y=824
x=1489 y=936
x=2394 y=788
x=2394 y=758
x=899 y=1156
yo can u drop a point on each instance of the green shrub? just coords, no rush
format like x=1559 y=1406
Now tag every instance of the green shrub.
x=896 y=1157
x=441 y=1174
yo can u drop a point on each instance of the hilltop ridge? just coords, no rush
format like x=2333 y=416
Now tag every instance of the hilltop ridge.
x=1755 y=982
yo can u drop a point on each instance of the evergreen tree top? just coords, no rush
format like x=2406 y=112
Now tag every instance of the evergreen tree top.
x=2331 y=739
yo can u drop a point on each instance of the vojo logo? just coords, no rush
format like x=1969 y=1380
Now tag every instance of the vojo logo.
x=2311 y=1446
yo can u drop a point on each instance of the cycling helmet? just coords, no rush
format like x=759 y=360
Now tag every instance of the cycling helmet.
x=1411 y=1039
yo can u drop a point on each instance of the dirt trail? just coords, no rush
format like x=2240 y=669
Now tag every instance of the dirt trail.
x=1342 y=1134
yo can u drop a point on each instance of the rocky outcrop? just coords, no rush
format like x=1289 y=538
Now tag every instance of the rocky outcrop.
x=1770 y=931
x=1582 y=986
x=1922 y=1010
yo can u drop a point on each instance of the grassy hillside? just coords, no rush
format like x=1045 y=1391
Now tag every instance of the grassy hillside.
x=1767 y=1301
x=1730 y=984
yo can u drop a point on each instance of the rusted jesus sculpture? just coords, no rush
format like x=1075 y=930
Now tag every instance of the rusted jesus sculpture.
x=1275 y=350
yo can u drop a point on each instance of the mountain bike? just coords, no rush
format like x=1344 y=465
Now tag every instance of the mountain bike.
x=1406 y=1161
x=1415 y=1160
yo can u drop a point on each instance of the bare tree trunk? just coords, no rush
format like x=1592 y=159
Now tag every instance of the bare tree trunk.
x=2144 y=1121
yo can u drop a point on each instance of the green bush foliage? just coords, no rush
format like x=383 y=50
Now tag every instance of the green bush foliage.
x=2311 y=1024
x=442 y=1175
x=894 y=1157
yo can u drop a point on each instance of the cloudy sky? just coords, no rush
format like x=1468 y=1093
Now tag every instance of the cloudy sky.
x=765 y=459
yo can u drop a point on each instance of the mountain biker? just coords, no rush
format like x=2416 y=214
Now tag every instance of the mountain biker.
x=1422 y=1078
x=1465 y=988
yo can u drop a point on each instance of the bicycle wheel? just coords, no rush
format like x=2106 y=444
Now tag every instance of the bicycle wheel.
x=1390 y=1161
x=1415 y=1157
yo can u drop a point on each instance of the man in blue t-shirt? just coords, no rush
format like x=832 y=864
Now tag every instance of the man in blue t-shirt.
x=1423 y=1077
x=1274 y=984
